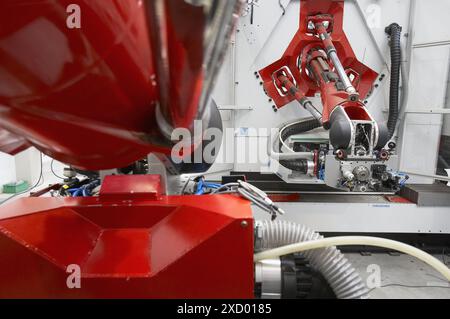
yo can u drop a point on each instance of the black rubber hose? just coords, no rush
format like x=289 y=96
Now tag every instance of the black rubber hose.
x=298 y=165
x=299 y=128
x=394 y=31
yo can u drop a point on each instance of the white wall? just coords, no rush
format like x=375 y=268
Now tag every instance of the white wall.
x=24 y=166
x=7 y=169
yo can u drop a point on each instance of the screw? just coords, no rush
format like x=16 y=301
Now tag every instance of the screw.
x=244 y=224
x=392 y=145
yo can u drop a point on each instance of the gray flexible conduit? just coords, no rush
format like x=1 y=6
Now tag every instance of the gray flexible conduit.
x=330 y=262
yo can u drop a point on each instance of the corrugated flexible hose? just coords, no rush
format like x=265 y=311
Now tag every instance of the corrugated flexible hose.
x=309 y=124
x=394 y=31
x=330 y=262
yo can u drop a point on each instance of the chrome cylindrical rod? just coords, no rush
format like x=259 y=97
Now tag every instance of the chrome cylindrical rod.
x=332 y=55
x=349 y=88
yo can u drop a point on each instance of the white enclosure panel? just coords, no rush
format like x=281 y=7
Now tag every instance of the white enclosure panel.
x=365 y=217
x=431 y=22
x=270 y=33
x=226 y=156
x=430 y=74
x=362 y=16
x=364 y=24
x=428 y=87
x=224 y=86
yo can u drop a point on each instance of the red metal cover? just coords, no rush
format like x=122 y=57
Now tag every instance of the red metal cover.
x=294 y=58
x=174 y=247
x=131 y=187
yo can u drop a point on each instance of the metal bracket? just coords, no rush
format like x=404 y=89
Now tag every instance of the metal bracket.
x=429 y=111
x=234 y=107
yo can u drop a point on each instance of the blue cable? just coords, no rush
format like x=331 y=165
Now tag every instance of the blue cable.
x=199 y=188
x=201 y=185
x=403 y=182
x=90 y=187
x=84 y=190
x=321 y=174
x=212 y=185
x=405 y=179
x=77 y=193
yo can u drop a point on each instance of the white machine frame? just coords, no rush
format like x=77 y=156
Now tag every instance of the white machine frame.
x=426 y=44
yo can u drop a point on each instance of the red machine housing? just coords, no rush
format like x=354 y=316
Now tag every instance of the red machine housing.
x=83 y=96
x=87 y=96
x=130 y=242
x=297 y=59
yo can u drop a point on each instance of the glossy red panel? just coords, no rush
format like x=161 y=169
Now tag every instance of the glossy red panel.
x=12 y=144
x=120 y=253
x=295 y=56
x=83 y=96
x=131 y=187
x=173 y=247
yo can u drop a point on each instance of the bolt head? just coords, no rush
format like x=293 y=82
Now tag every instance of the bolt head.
x=392 y=145
x=244 y=224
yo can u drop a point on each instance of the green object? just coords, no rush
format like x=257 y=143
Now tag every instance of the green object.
x=14 y=188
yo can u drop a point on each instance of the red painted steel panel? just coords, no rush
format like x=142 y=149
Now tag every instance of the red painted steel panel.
x=174 y=247
x=59 y=235
x=120 y=253
x=131 y=187
x=182 y=33
x=87 y=96
x=12 y=144
x=295 y=56
x=83 y=96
